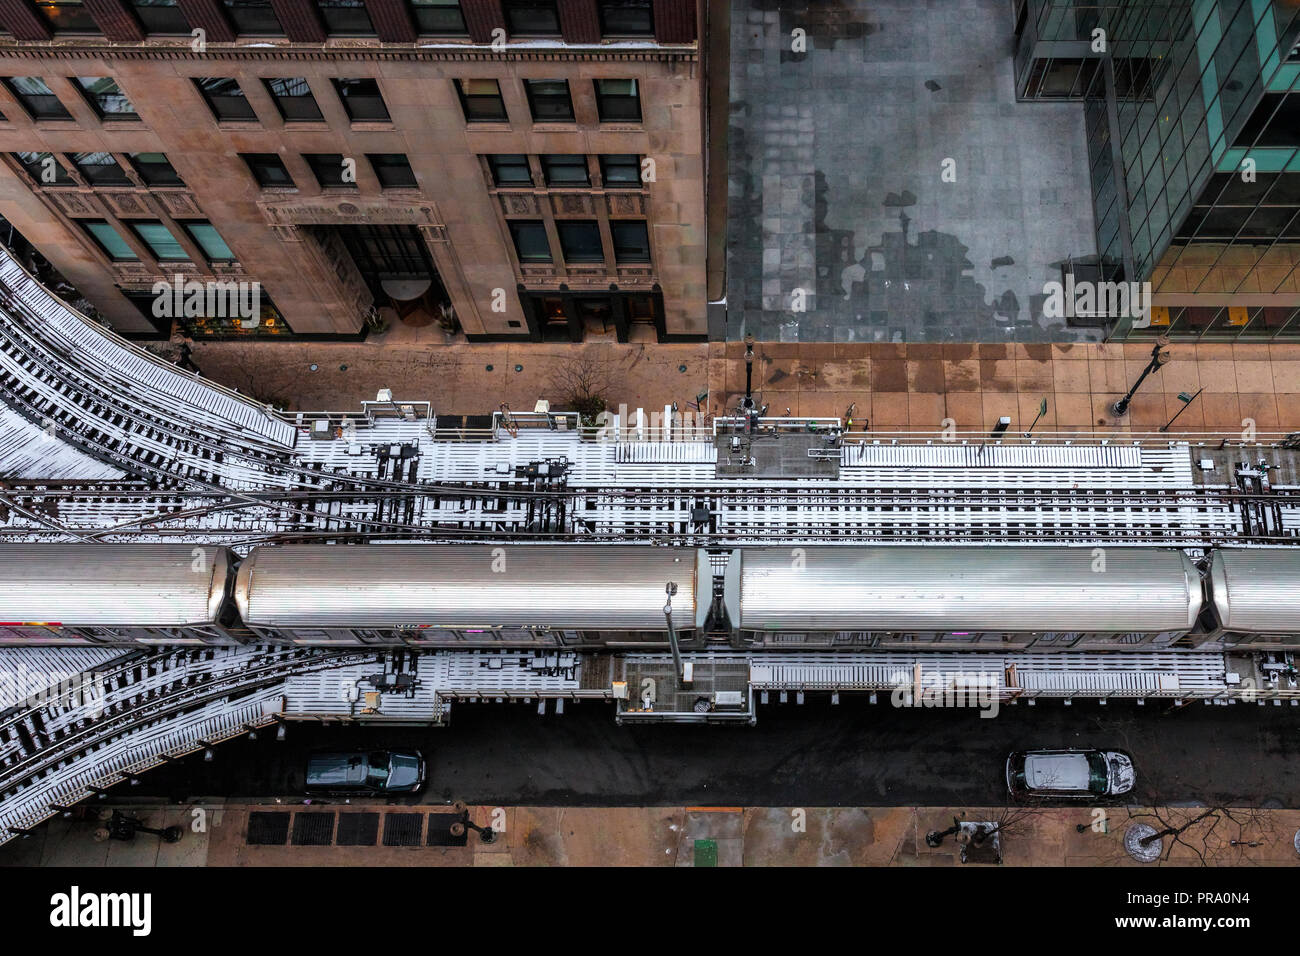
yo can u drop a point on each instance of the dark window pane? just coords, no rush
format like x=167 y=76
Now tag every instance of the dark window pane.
x=481 y=100
x=209 y=240
x=362 y=99
x=564 y=170
x=45 y=169
x=67 y=16
x=549 y=100
x=580 y=241
x=618 y=101
x=254 y=18
x=110 y=240
x=329 y=169
x=621 y=170
x=524 y=17
x=438 y=17
x=160 y=240
x=108 y=100
x=626 y=18
x=510 y=169
x=347 y=18
x=100 y=169
x=154 y=169
x=531 y=244
x=161 y=16
x=268 y=169
x=225 y=98
x=38 y=98
x=631 y=241
x=293 y=98
x=393 y=170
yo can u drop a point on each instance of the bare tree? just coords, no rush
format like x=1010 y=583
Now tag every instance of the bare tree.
x=582 y=385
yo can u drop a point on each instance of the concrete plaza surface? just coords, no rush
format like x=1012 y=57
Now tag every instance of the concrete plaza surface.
x=895 y=387
x=683 y=836
x=836 y=161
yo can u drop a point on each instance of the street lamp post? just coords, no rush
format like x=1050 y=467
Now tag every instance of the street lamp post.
x=1186 y=400
x=671 y=589
x=749 y=371
x=1159 y=356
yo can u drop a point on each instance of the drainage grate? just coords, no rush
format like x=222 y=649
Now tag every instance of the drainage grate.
x=268 y=829
x=402 y=829
x=440 y=830
x=313 y=829
x=357 y=829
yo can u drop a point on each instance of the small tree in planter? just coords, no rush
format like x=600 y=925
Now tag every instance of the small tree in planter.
x=580 y=386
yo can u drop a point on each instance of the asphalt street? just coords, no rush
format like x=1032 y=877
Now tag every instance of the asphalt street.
x=853 y=754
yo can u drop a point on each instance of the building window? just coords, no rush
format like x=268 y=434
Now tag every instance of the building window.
x=109 y=239
x=345 y=18
x=106 y=97
x=329 y=168
x=209 y=240
x=45 y=169
x=100 y=169
x=438 y=17
x=154 y=169
x=565 y=170
x=510 y=169
x=620 y=170
x=37 y=98
x=481 y=100
x=580 y=241
x=549 y=101
x=161 y=16
x=268 y=169
x=362 y=100
x=617 y=101
x=67 y=16
x=626 y=18
x=160 y=241
x=532 y=17
x=254 y=18
x=293 y=99
x=225 y=98
x=393 y=170
x=631 y=240
x=531 y=244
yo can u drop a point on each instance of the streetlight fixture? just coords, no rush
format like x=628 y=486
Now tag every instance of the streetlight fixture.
x=1042 y=410
x=1159 y=356
x=671 y=588
x=749 y=371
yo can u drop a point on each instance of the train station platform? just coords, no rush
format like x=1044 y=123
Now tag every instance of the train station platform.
x=359 y=834
x=912 y=387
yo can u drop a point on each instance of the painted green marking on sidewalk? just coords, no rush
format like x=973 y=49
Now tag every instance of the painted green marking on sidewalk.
x=706 y=852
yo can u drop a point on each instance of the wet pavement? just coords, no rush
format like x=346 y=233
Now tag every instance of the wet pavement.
x=839 y=202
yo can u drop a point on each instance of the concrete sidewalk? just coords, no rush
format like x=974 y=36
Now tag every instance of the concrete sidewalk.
x=895 y=387
x=674 y=836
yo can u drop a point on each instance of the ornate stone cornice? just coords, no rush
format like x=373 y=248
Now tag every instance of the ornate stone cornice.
x=342 y=50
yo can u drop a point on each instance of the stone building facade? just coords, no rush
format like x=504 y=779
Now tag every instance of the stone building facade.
x=536 y=165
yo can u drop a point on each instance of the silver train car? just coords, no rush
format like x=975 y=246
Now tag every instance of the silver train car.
x=608 y=597
x=459 y=595
x=983 y=598
x=115 y=594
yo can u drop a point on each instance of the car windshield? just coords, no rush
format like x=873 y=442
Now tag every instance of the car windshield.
x=1098 y=773
x=378 y=773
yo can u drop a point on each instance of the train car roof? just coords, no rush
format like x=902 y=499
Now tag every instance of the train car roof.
x=1257 y=590
x=108 y=585
x=468 y=586
x=968 y=589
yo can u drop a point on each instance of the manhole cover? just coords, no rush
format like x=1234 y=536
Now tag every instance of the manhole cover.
x=313 y=829
x=357 y=829
x=1142 y=852
x=268 y=829
x=402 y=829
x=440 y=830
